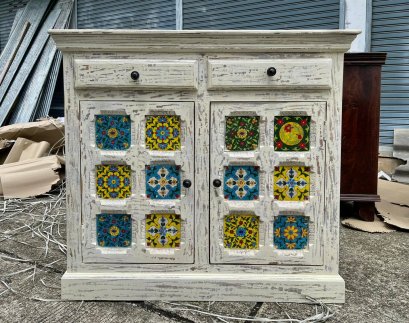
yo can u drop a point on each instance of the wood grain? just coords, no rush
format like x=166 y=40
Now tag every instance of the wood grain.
x=290 y=73
x=203 y=270
x=360 y=130
x=153 y=74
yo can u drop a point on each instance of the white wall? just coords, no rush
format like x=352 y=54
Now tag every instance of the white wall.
x=357 y=15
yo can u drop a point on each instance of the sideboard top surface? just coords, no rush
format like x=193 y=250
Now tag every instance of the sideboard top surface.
x=74 y=40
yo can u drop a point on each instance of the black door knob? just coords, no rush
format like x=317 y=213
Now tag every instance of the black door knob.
x=217 y=183
x=134 y=75
x=271 y=71
x=187 y=183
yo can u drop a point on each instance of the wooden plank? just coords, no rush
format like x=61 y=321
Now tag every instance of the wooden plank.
x=203 y=287
x=29 y=95
x=8 y=96
x=17 y=17
x=44 y=103
x=14 y=52
x=33 y=13
x=32 y=90
x=237 y=41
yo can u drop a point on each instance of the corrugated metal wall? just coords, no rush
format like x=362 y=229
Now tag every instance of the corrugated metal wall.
x=8 y=9
x=265 y=14
x=390 y=34
x=122 y=14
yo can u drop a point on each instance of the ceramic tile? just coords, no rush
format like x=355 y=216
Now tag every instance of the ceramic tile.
x=292 y=133
x=113 y=132
x=242 y=133
x=162 y=181
x=241 y=231
x=291 y=183
x=114 y=230
x=163 y=230
x=241 y=183
x=291 y=232
x=162 y=132
x=113 y=181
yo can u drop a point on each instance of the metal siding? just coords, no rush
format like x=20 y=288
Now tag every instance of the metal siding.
x=390 y=34
x=126 y=14
x=267 y=14
x=8 y=9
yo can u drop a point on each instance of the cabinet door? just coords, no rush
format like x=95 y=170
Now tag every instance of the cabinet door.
x=267 y=174
x=138 y=185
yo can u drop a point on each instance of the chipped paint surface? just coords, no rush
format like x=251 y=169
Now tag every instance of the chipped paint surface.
x=308 y=84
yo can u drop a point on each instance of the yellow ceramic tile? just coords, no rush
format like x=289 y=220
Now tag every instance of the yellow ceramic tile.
x=241 y=231
x=162 y=132
x=113 y=181
x=163 y=230
x=291 y=183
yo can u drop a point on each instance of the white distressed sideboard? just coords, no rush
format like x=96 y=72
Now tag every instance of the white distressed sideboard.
x=203 y=165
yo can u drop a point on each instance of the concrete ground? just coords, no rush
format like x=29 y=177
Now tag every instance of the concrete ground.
x=374 y=266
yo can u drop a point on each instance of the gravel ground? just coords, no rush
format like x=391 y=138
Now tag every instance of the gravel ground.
x=32 y=261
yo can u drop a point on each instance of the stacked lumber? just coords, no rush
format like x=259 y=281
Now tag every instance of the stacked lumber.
x=30 y=61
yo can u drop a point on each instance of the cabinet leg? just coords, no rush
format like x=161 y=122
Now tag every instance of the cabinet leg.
x=365 y=210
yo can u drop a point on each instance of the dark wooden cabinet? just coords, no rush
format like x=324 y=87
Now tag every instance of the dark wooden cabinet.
x=360 y=131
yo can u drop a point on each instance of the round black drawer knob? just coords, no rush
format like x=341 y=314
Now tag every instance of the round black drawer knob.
x=135 y=75
x=217 y=183
x=271 y=71
x=187 y=183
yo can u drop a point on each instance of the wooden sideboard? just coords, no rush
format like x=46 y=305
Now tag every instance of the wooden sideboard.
x=360 y=131
x=203 y=165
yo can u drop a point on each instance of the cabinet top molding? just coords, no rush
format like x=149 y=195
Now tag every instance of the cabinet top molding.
x=200 y=41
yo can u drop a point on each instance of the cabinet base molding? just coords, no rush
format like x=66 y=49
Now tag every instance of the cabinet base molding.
x=300 y=288
x=208 y=164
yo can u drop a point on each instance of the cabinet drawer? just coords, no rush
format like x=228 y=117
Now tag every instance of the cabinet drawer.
x=116 y=73
x=289 y=73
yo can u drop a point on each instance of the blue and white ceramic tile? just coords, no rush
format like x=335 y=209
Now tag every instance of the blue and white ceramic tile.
x=162 y=182
x=241 y=183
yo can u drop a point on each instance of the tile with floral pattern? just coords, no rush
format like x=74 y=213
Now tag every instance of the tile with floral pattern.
x=114 y=230
x=163 y=230
x=113 y=181
x=242 y=133
x=113 y=132
x=291 y=183
x=292 y=133
x=162 y=181
x=241 y=231
x=291 y=232
x=162 y=132
x=241 y=182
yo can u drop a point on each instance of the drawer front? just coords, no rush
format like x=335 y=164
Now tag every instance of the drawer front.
x=115 y=73
x=289 y=73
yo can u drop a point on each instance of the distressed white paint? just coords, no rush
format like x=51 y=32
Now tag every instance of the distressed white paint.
x=290 y=73
x=138 y=206
x=358 y=16
x=189 y=274
x=266 y=158
x=153 y=74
